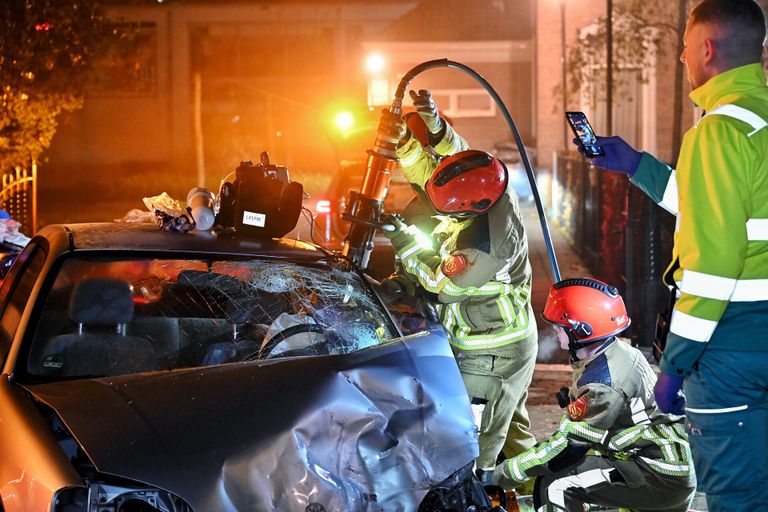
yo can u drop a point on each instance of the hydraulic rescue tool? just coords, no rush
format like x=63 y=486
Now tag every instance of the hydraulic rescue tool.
x=365 y=208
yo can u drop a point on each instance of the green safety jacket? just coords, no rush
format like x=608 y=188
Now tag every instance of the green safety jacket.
x=612 y=413
x=476 y=269
x=719 y=193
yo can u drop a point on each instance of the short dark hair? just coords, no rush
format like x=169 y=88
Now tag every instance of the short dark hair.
x=743 y=22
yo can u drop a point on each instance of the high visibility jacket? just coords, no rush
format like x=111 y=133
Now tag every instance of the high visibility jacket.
x=417 y=162
x=612 y=413
x=476 y=269
x=719 y=193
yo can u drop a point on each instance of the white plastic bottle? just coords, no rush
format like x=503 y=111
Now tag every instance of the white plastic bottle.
x=200 y=202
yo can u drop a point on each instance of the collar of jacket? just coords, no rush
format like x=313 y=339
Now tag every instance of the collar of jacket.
x=581 y=363
x=733 y=81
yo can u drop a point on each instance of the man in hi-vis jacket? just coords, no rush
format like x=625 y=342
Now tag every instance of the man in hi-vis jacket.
x=717 y=347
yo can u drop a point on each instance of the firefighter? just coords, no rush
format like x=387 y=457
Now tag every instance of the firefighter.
x=613 y=447
x=717 y=347
x=473 y=268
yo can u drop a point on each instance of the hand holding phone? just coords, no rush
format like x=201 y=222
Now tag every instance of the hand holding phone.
x=584 y=133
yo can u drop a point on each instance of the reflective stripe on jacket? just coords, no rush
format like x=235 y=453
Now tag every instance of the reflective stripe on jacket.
x=613 y=414
x=719 y=193
x=480 y=274
x=478 y=268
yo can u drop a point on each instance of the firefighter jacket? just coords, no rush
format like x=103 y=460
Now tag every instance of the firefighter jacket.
x=475 y=269
x=417 y=162
x=719 y=193
x=612 y=413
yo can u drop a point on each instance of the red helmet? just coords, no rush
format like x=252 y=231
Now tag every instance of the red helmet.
x=588 y=309
x=467 y=182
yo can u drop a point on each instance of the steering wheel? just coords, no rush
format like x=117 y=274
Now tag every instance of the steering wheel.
x=283 y=335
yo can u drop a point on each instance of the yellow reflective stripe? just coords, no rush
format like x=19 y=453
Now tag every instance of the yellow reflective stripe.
x=707 y=285
x=757 y=230
x=409 y=251
x=674 y=433
x=667 y=468
x=516 y=471
x=519 y=464
x=446 y=314
x=626 y=437
x=506 y=308
x=492 y=340
x=439 y=282
x=691 y=327
x=463 y=327
x=588 y=432
x=669 y=199
x=742 y=114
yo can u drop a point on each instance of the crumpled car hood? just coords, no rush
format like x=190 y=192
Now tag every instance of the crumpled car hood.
x=369 y=431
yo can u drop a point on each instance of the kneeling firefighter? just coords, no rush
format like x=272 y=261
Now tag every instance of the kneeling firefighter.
x=473 y=267
x=614 y=446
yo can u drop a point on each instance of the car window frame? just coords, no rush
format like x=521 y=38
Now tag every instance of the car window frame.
x=35 y=252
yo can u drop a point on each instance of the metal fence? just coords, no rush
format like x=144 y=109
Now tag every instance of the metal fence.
x=18 y=197
x=622 y=236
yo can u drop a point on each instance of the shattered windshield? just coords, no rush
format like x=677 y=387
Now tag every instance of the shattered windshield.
x=106 y=317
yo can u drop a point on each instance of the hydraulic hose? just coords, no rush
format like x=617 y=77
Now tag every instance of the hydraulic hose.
x=442 y=63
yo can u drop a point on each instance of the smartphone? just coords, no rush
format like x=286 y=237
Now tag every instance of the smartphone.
x=584 y=132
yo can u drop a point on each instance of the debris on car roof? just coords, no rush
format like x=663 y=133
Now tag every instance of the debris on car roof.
x=9 y=231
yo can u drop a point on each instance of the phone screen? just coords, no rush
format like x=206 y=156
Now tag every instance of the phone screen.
x=584 y=132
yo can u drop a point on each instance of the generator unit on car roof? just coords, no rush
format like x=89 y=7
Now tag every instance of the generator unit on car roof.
x=262 y=201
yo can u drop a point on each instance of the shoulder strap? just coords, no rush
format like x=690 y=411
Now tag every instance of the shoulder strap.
x=742 y=114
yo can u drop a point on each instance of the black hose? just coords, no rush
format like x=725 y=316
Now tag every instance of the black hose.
x=397 y=103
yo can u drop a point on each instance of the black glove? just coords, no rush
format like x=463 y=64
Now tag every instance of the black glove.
x=393 y=225
x=396 y=231
x=397 y=288
x=427 y=109
x=392 y=127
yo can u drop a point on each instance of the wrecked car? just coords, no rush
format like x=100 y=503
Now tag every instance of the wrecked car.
x=150 y=371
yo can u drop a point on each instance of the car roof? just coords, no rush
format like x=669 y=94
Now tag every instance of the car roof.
x=147 y=237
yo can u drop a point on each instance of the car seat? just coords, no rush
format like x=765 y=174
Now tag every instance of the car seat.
x=101 y=308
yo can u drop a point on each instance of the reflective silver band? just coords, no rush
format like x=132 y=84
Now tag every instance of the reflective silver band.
x=742 y=114
x=691 y=327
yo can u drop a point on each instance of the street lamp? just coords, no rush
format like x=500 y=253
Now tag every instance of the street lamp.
x=378 y=83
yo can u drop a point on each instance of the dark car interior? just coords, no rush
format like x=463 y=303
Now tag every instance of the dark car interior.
x=121 y=317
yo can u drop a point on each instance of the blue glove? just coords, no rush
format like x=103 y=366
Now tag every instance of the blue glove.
x=669 y=396
x=619 y=156
x=427 y=109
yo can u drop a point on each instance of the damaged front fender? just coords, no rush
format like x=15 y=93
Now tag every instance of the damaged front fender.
x=385 y=429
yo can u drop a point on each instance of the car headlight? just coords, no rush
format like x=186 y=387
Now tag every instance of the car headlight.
x=103 y=497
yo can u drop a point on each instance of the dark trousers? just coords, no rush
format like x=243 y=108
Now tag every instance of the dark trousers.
x=612 y=483
x=727 y=425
